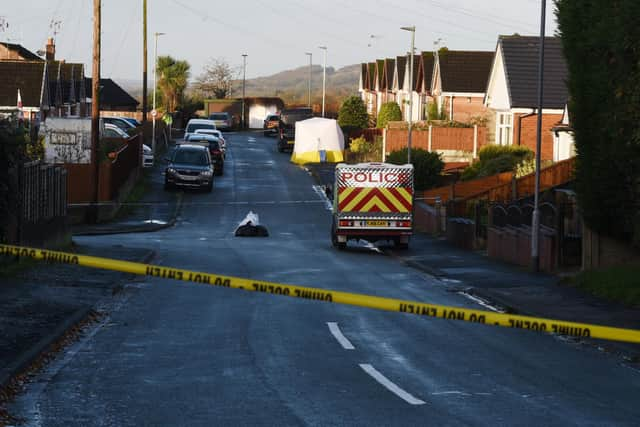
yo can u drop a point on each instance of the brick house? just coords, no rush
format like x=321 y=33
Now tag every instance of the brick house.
x=459 y=83
x=512 y=95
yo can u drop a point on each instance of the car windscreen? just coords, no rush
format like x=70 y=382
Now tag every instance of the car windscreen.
x=191 y=157
x=193 y=126
x=292 y=118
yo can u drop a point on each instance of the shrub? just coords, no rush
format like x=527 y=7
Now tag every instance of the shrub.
x=353 y=114
x=427 y=166
x=365 y=151
x=389 y=112
x=494 y=159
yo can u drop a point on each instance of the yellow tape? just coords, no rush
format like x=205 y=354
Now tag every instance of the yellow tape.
x=390 y=304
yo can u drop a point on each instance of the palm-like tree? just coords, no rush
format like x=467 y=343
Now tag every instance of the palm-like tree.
x=172 y=80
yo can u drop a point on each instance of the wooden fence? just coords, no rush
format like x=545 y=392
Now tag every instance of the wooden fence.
x=468 y=140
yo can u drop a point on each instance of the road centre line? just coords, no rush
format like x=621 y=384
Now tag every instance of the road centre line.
x=389 y=385
x=339 y=336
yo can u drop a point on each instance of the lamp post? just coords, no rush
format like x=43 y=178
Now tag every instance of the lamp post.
x=310 y=55
x=535 y=220
x=244 y=76
x=155 y=86
x=413 y=38
x=324 y=76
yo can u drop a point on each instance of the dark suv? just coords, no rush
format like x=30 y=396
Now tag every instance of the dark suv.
x=287 y=126
x=190 y=166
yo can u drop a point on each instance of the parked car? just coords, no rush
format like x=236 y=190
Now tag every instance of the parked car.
x=223 y=120
x=270 y=124
x=218 y=134
x=195 y=124
x=213 y=144
x=189 y=166
x=121 y=122
x=133 y=121
x=147 y=156
x=111 y=130
x=287 y=126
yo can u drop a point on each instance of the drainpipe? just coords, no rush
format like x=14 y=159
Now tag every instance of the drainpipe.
x=520 y=117
x=451 y=107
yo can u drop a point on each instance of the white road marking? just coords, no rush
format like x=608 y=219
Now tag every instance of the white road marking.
x=328 y=204
x=337 y=333
x=441 y=393
x=481 y=302
x=392 y=387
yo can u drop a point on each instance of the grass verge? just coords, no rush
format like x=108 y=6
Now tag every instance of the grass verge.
x=618 y=284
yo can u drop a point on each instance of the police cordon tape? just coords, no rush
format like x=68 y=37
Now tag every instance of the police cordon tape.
x=560 y=327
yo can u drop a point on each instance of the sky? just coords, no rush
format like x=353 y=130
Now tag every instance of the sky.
x=275 y=34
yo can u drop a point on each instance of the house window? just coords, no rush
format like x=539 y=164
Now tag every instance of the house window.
x=504 y=129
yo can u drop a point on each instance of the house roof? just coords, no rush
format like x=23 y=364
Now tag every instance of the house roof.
x=379 y=72
x=425 y=71
x=465 y=71
x=521 y=68
x=401 y=64
x=363 y=75
x=371 y=76
x=24 y=75
x=23 y=52
x=389 y=66
x=111 y=93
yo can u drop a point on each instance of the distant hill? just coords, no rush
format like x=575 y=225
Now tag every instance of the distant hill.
x=290 y=85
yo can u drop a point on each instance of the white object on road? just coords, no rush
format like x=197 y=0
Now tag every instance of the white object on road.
x=251 y=218
x=337 y=333
x=389 y=385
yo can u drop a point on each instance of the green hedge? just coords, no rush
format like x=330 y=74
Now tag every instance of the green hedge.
x=494 y=159
x=389 y=112
x=427 y=165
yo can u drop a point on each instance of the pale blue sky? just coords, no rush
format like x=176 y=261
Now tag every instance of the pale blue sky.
x=274 y=33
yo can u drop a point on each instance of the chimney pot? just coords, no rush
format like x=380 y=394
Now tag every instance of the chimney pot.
x=50 y=50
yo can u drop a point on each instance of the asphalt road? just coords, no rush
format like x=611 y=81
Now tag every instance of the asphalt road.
x=185 y=355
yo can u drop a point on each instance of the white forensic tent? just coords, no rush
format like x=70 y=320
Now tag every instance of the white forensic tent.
x=317 y=140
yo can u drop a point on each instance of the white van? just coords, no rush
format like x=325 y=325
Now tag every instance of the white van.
x=195 y=124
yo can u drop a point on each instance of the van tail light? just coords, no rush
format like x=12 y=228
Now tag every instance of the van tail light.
x=345 y=223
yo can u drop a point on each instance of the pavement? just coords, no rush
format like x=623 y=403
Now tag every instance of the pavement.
x=508 y=287
x=156 y=210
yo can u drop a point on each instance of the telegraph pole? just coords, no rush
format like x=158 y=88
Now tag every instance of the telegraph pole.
x=144 y=62
x=95 y=110
x=244 y=77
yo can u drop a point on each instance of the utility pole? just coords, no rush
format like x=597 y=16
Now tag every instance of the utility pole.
x=310 y=55
x=144 y=63
x=413 y=38
x=95 y=111
x=535 y=220
x=324 y=76
x=154 y=113
x=244 y=75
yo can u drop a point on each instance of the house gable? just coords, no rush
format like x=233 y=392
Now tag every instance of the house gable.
x=425 y=72
x=498 y=97
x=398 y=73
x=16 y=52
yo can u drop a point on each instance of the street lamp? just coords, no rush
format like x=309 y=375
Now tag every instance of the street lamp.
x=244 y=76
x=324 y=75
x=413 y=37
x=310 y=65
x=155 y=86
x=535 y=220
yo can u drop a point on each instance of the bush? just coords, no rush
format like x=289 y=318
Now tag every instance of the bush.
x=353 y=114
x=427 y=166
x=495 y=159
x=362 y=150
x=389 y=112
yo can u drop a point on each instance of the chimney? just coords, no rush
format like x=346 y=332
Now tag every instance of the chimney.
x=50 y=50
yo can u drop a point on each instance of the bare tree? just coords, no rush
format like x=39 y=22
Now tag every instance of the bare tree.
x=217 y=79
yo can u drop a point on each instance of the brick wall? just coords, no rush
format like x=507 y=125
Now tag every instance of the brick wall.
x=465 y=108
x=528 y=129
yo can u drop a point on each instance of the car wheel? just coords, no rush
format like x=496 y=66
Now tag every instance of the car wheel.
x=334 y=239
x=209 y=187
x=220 y=171
x=401 y=246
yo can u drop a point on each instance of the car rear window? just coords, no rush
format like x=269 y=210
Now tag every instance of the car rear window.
x=192 y=127
x=191 y=157
x=218 y=116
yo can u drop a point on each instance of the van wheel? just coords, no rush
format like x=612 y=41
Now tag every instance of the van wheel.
x=334 y=239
